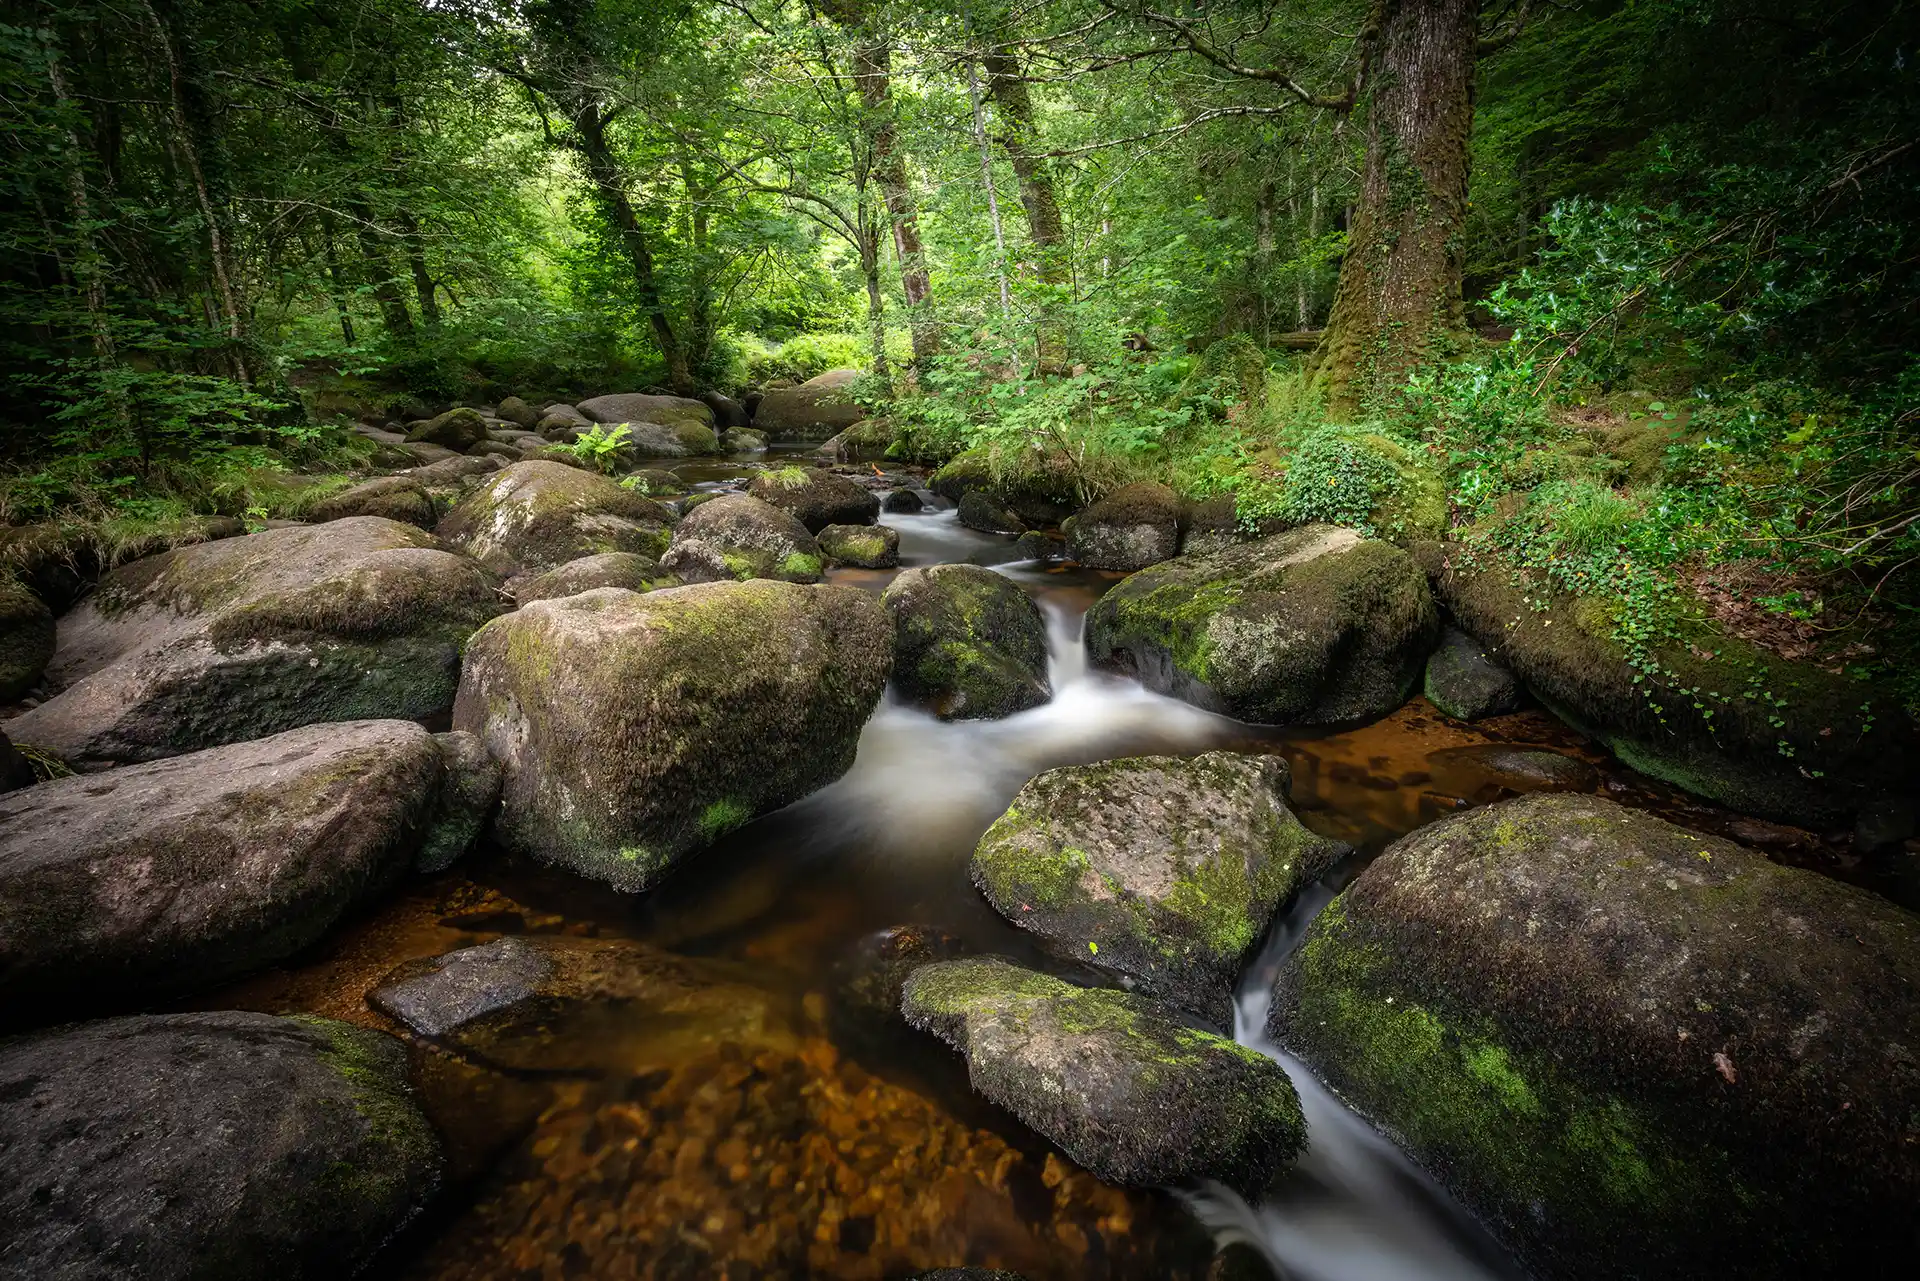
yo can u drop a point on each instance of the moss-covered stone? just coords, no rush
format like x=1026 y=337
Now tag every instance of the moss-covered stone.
x=1464 y=683
x=1117 y=1080
x=27 y=635
x=1762 y=734
x=1131 y=528
x=737 y=536
x=622 y=720
x=968 y=642
x=401 y=498
x=1312 y=626
x=223 y=1146
x=1633 y=1050
x=1038 y=488
x=818 y=498
x=356 y=618
x=1162 y=869
x=820 y=408
x=1414 y=507
x=634 y=572
x=537 y=516
x=982 y=511
x=469 y=789
x=863 y=546
x=642 y=407
x=457 y=429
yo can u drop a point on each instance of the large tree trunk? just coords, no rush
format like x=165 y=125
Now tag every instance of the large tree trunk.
x=869 y=232
x=1044 y=224
x=873 y=68
x=423 y=290
x=1397 y=303
x=608 y=188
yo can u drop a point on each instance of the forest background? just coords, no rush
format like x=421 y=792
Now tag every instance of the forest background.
x=1622 y=292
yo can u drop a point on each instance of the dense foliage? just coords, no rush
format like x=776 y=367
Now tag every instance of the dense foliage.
x=1675 y=359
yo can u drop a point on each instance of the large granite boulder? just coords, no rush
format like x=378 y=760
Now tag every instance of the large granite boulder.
x=638 y=407
x=862 y=546
x=1133 y=527
x=176 y=874
x=817 y=498
x=27 y=638
x=457 y=429
x=401 y=497
x=1717 y=715
x=1038 y=489
x=1118 y=1081
x=518 y=411
x=1631 y=1049
x=968 y=642
x=817 y=409
x=225 y=1145
x=1161 y=869
x=737 y=536
x=634 y=572
x=635 y=729
x=233 y=640
x=1317 y=625
x=537 y=516
x=1465 y=683
x=678 y=439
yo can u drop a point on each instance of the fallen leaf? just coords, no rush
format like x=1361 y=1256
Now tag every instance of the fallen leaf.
x=1725 y=1064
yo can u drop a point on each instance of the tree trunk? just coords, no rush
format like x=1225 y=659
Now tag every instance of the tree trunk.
x=869 y=230
x=423 y=289
x=872 y=63
x=1044 y=225
x=993 y=199
x=336 y=282
x=590 y=135
x=379 y=269
x=1398 y=303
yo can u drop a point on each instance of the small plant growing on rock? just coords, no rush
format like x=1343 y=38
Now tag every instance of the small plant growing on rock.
x=600 y=447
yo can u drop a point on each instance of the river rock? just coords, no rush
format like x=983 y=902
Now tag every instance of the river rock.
x=27 y=636
x=540 y=1003
x=516 y=410
x=1317 y=625
x=227 y=1144
x=1721 y=718
x=728 y=414
x=1133 y=527
x=403 y=498
x=250 y=636
x=639 y=407
x=634 y=572
x=180 y=873
x=743 y=441
x=538 y=516
x=1162 y=869
x=679 y=439
x=1466 y=684
x=1116 y=1080
x=863 y=546
x=1039 y=489
x=818 y=498
x=1212 y=525
x=469 y=789
x=736 y=536
x=967 y=641
x=902 y=500
x=1462 y=770
x=653 y=482
x=980 y=510
x=562 y=422
x=817 y=409
x=635 y=729
x=457 y=429
x=1631 y=1049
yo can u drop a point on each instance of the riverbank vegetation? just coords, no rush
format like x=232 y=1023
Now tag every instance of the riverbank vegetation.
x=1621 y=292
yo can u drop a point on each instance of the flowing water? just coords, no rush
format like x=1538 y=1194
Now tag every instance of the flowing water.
x=779 y=1128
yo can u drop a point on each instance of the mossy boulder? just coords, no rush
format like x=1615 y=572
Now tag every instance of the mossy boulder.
x=639 y=407
x=1720 y=717
x=742 y=440
x=635 y=729
x=739 y=537
x=982 y=511
x=1313 y=626
x=1118 y=1081
x=1463 y=682
x=223 y=1146
x=1162 y=869
x=1414 y=505
x=457 y=429
x=653 y=482
x=469 y=789
x=403 y=498
x=238 y=639
x=218 y=862
x=870 y=438
x=1631 y=1049
x=903 y=500
x=562 y=423
x=1038 y=488
x=818 y=498
x=544 y=1003
x=862 y=546
x=678 y=439
x=27 y=638
x=1213 y=525
x=1131 y=528
x=967 y=642
x=630 y=570
x=819 y=408
x=538 y=516
x=518 y=411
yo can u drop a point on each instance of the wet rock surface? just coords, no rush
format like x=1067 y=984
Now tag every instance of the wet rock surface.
x=536 y=516
x=1631 y=1048
x=630 y=570
x=224 y=1145
x=967 y=641
x=1465 y=683
x=1133 y=527
x=1118 y=1081
x=817 y=498
x=233 y=640
x=636 y=728
x=469 y=789
x=1317 y=625
x=1165 y=870
x=862 y=546
x=163 y=877
x=739 y=537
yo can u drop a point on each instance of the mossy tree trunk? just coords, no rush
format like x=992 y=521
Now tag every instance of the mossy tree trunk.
x=1045 y=227
x=1397 y=303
